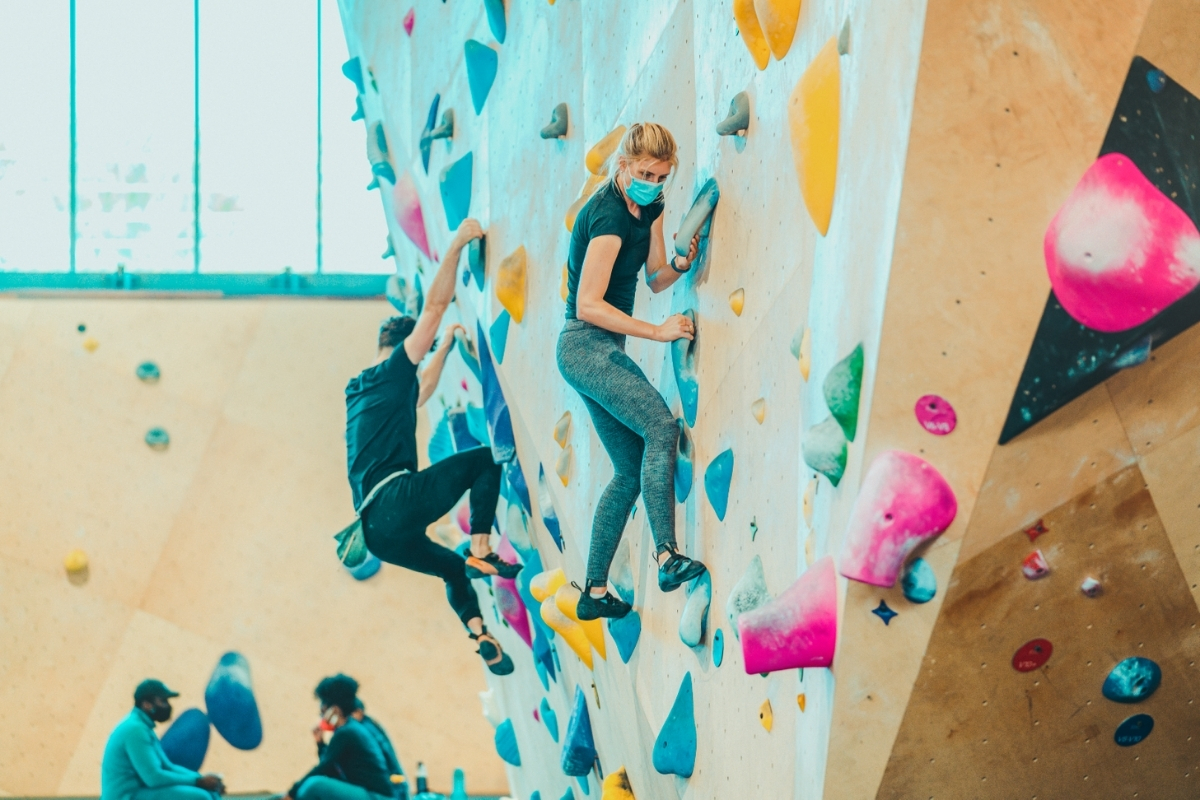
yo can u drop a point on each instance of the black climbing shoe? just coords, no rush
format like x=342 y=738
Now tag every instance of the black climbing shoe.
x=590 y=608
x=498 y=662
x=489 y=566
x=678 y=570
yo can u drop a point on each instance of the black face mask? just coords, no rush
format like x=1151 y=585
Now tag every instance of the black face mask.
x=161 y=713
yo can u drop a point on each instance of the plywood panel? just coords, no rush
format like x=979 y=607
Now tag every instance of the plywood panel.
x=975 y=727
x=1170 y=39
x=1171 y=471
x=1157 y=401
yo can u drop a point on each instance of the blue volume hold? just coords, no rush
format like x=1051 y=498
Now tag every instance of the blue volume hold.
x=625 y=633
x=504 y=446
x=496 y=21
x=229 y=699
x=455 y=185
x=499 y=332
x=685 y=467
x=506 y=743
x=186 y=741
x=716 y=482
x=579 y=750
x=482 y=63
x=1132 y=681
x=549 y=718
x=675 y=747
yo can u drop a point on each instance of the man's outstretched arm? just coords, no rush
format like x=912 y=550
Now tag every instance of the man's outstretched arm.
x=433 y=370
x=440 y=293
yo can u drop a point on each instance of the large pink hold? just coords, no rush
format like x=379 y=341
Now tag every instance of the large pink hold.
x=903 y=501
x=508 y=596
x=797 y=629
x=409 y=214
x=1119 y=251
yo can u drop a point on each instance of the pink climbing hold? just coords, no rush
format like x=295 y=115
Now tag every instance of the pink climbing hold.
x=408 y=213
x=1119 y=251
x=797 y=629
x=408 y=21
x=508 y=597
x=903 y=502
x=537 y=717
x=936 y=415
x=463 y=518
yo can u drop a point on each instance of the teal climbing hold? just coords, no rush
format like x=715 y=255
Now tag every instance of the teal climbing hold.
x=482 y=62
x=749 y=593
x=568 y=795
x=496 y=21
x=535 y=796
x=477 y=426
x=583 y=784
x=477 y=260
x=716 y=482
x=549 y=515
x=186 y=741
x=459 y=792
x=843 y=386
x=358 y=110
x=675 y=747
x=718 y=653
x=229 y=698
x=550 y=719
x=498 y=333
x=620 y=573
x=919 y=583
x=158 y=438
x=738 y=120
x=367 y=569
x=824 y=447
x=426 y=143
x=147 y=372
x=698 y=219
x=693 y=622
x=382 y=169
x=559 y=120
x=352 y=69
x=391 y=249
x=506 y=743
x=625 y=632
x=455 y=186
x=685 y=467
x=683 y=361
x=1132 y=680
x=466 y=349
x=579 y=749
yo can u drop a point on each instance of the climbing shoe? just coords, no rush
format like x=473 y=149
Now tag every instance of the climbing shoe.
x=490 y=566
x=498 y=662
x=678 y=570
x=590 y=608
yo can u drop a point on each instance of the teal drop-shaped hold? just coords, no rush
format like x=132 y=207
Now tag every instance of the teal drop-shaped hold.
x=685 y=466
x=716 y=482
x=625 y=633
x=459 y=792
x=455 y=186
x=579 y=748
x=549 y=718
x=396 y=291
x=496 y=21
x=482 y=62
x=498 y=334
x=1132 y=680
x=718 y=653
x=675 y=747
x=147 y=372
x=506 y=743
x=919 y=583
x=158 y=438
x=583 y=784
x=229 y=698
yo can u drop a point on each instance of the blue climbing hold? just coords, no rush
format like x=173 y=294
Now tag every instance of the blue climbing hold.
x=625 y=633
x=568 y=795
x=683 y=361
x=367 y=568
x=441 y=443
x=549 y=515
x=716 y=482
x=1132 y=681
x=579 y=749
x=737 y=121
x=1137 y=353
x=459 y=792
x=466 y=350
x=506 y=743
x=718 y=647
x=477 y=261
x=455 y=186
x=477 y=424
x=1157 y=80
x=543 y=655
x=499 y=334
x=549 y=718
x=559 y=120
x=147 y=372
x=482 y=62
x=229 y=699
x=535 y=796
x=382 y=169
x=1133 y=730
x=693 y=622
x=919 y=582
x=675 y=747
x=158 y=438
x=504 y=446
x=496 y=21
x=583 y=784
x=884 y=613
x=358 y=110
x=685 y=468
x=425 y=142
x=396 y=291
x=352 y=69
x=186 y=741
x=516 y=481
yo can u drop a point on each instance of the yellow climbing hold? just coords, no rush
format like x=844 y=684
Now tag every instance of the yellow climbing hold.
x=778 y=19
x=585 y=193
x=616 y=786
x=759 y=409
x=747 y=23
x=603 y=149
x=801 y=701
x=806 y=353
x=569 y=630
x=567 y=598
x=562 y=428
x=809 y=494
x=90 y=344
x=562 y=467
x=814 y=117
x=75 y=562
x=737 y=301
x=563 y=290
x=765 y=716
x=510 y=283
x=545 y=584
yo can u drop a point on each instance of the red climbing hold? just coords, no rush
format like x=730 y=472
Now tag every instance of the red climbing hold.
x=1032 y=654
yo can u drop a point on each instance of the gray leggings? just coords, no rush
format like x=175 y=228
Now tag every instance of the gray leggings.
x=636 y=428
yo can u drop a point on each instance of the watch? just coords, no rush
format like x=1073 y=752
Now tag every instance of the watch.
x=677 y=269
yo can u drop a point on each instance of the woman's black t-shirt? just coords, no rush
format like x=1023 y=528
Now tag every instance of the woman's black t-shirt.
x=606 y=214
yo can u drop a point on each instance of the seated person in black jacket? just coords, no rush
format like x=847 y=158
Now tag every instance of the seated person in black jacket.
x=385 y=744
x=352 y=766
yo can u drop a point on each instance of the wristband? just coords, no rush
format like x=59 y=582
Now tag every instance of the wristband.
x=677 y=269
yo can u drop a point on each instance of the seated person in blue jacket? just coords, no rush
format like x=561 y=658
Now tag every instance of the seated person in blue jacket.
x=135 y=766
x=385 y=744
x=352 y=765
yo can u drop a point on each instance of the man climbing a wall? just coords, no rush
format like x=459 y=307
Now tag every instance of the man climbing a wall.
x=395 y=501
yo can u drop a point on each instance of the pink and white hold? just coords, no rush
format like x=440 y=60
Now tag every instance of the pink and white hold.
x=936 y=415
x=1119 y=251
x=903 y=502
x=409 y=215
x=508 y=596
x=797 y=629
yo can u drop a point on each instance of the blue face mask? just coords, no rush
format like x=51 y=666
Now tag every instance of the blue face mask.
x=643 y=192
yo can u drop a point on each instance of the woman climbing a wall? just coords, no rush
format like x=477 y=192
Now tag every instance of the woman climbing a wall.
x=618 y=232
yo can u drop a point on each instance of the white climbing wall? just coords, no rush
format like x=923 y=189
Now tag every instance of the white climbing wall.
x=677 y=62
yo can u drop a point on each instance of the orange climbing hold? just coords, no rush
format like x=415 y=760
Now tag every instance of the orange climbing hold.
x=747 y=22
x=737 y=301
x=814 y=115
x=603 y=149
x=801 y=701
x=510 y=283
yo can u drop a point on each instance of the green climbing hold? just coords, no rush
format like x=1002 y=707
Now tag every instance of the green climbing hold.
x=716 y=482
x=843 y=386
x=158 y=438
x=824 y=447
x=482 y=63
x=147 y=372
x=675 y=747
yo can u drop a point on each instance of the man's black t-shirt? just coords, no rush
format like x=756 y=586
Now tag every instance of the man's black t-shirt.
x=606 y=214
x=354 y=753
x=381 y=422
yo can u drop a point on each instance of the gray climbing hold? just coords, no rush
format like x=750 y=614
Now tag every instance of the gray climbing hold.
x=549 y=718
x=698 y=219
x=506 y=743
x=748 y=593
x=147 y=372
x=919 y=582
x=693 y=622
x=158 y=438
x=824 y=447
x=843 y=42
x=738 y=120
x=1132 y=681
x=675 y=747
x=559 y=119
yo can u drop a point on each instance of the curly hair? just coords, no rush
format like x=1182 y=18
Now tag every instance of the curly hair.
x=395 y=330
x=338 y=690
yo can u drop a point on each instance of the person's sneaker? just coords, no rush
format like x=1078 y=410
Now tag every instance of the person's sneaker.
x=589 y=608
x=490 y=566
x=678 y=570
x=497 y=661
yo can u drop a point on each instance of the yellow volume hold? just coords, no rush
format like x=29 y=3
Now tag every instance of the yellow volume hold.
x=747 y=23
x=778 y=19
x=510 y=283
x=814 y=116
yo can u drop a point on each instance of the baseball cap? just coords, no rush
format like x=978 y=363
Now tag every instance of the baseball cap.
x=151 y=688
